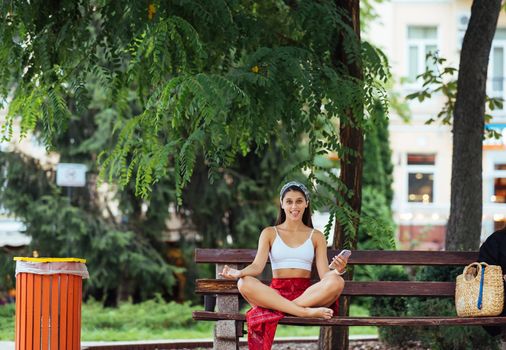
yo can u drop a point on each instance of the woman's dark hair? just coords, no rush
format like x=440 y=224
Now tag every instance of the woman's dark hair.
x=306 y=216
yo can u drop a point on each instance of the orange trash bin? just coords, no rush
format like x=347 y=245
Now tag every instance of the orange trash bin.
x=48 y=303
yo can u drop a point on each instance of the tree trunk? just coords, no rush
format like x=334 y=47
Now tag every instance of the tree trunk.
x=351 y=137
x=464 y=224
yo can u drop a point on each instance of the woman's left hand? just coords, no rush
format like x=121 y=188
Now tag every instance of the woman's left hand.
x=339 y=263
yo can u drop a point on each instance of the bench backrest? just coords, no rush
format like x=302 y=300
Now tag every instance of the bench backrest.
x=370 y=257
x=358 y=257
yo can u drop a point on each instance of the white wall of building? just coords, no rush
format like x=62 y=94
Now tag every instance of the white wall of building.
x=392 y=33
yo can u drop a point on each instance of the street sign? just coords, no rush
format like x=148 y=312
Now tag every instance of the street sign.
x=71 y=174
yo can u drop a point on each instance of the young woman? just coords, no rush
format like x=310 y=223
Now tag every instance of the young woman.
x=291 y=245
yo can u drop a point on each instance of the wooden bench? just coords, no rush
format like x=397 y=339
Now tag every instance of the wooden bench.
x=230 y=322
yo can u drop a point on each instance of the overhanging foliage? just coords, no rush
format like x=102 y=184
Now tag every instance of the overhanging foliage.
x=188 y=78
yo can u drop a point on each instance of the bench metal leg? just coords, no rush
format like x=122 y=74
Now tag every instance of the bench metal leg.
x=209 y=302
x=226 y=335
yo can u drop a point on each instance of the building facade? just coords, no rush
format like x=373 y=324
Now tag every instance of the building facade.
x=407 y=30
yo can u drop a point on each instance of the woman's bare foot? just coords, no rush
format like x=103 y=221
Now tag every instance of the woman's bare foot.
x=319 y=312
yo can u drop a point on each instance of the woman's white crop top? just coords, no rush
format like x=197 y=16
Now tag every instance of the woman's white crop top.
x=285 y=257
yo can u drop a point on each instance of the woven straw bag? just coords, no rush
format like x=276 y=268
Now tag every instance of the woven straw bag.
x=479 y=291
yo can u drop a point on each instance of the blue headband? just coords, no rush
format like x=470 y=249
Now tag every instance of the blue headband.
x=293 y=184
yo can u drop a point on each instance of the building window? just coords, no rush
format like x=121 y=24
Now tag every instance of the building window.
x=421 y=168
x=498 y=69
x=462 y=22
x=421 y=41
x=499 y=195
x=497 y=64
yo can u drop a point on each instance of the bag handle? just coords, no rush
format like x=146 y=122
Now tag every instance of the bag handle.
x=479 y=267
x=481 y=273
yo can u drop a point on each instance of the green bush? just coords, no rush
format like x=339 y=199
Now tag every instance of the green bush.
x=435 y=338
x=7 y=318
x=155 y=314
x=7 y=269
x=392 y=306
x=447 y=337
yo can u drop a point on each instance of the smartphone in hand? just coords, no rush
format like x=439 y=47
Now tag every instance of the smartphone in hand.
x=345 y=254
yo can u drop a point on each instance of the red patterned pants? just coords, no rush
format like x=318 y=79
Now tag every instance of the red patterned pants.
x=262 y=323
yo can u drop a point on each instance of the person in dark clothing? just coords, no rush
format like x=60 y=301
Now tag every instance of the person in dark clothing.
x=493 y=252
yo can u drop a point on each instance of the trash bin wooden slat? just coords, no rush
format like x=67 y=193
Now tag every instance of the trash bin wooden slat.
x=19 y=320
x=46 y=299
x=37 y=310
x=77 y=308
x=55 y=285
x=18 y=312
x=29 y=310
x=22 y=341
x=70 y=310
x=63 y=311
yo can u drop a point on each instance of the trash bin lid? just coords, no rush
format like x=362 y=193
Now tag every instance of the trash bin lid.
x=50 y=260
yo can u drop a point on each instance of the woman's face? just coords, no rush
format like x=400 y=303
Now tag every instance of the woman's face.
x=294 y=203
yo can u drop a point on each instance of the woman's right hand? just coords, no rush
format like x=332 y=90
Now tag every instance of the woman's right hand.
x=339 y=263
x=230 y=273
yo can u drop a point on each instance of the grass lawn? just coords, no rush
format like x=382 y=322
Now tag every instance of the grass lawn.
x=155 y=319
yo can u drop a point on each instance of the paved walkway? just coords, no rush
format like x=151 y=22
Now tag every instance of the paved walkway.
x=6 y=345
x=9 y=345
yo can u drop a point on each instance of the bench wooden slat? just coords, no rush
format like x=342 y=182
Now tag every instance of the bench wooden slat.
x=360 y=321
x=363 y=257
x=376 y=288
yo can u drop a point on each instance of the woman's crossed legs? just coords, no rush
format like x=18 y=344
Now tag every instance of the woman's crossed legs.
x=311 y=303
